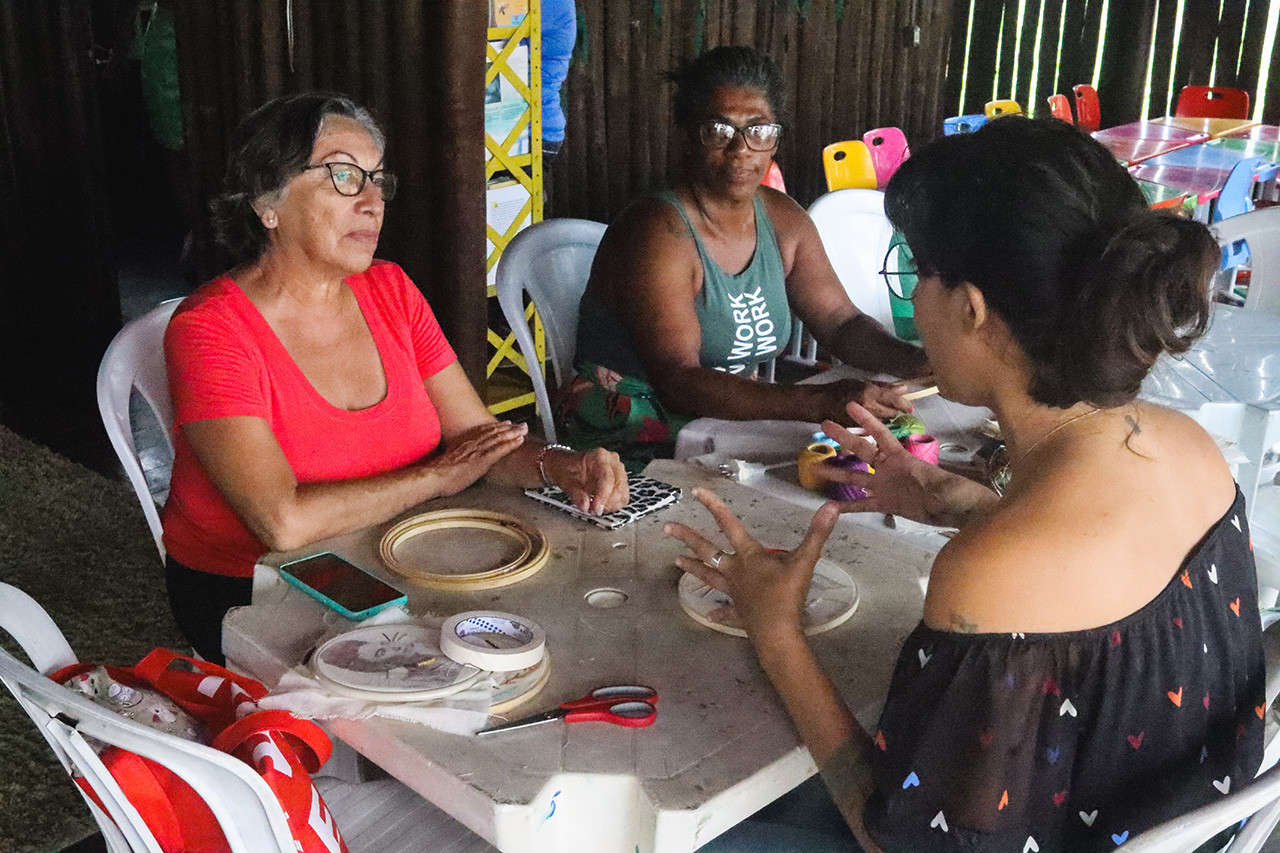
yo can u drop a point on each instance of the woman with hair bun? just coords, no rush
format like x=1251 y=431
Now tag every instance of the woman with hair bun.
x=1089 y=663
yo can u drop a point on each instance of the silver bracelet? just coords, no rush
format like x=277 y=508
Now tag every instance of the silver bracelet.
x=542 y=460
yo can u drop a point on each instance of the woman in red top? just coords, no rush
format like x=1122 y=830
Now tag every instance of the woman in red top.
x=314 y=392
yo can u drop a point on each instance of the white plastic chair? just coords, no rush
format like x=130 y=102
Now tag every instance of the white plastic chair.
x=1259 y=804
x=855 y=234
x=380 y=816
x=135 y=359
x=551 y=260
x=1260 y=229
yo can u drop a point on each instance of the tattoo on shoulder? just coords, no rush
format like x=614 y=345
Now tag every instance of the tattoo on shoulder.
x=961 y=625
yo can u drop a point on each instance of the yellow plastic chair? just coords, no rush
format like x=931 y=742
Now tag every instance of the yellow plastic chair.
x=849 y=166
x=995 y=109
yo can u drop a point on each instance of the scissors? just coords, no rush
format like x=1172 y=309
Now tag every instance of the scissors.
x=630 y=705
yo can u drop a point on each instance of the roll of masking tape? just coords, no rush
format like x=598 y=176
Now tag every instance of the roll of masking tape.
x=499 y=642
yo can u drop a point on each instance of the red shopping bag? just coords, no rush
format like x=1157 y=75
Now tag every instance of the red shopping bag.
x=283 y=749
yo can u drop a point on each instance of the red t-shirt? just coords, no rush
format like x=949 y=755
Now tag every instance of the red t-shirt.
x=224 y=360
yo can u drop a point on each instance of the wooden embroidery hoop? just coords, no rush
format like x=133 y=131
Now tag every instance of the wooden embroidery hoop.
x=531 y=548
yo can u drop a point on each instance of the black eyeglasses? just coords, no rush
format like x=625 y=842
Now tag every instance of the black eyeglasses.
x=349 y=179
x=899 y=270
x=719 y=135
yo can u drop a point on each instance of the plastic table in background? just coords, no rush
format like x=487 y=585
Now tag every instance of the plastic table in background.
x=1213 y=127
x=1161 y=196
x=1141 y=140
x=1260 y=132
x=722 y=746
x=1199 y=170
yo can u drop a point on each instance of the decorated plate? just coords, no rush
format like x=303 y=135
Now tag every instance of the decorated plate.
x=391 y=662
x=832 y=599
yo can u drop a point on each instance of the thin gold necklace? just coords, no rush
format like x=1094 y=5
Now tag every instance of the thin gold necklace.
x=1003 y=472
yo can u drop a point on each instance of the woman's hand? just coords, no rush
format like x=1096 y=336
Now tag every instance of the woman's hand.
x=470 y=454
x=902 y=484
x=595 y=479
x=881 y=399
x=768 y=589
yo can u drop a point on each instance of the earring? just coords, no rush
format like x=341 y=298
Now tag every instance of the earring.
x=270 y=220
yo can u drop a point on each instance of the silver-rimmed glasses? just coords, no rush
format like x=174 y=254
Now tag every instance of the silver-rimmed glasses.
x=899 y=270
x=349 y=179
x=719 y=135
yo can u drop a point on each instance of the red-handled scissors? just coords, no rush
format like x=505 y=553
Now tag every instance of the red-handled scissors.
x=630 y=705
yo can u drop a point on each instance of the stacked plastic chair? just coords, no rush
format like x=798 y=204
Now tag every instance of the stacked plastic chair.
x=1088 y=110
x=888 y=147
x=849 y=166
x=1212 y=102
x=1006 y=107
x=1060 y=108
x=963 y=124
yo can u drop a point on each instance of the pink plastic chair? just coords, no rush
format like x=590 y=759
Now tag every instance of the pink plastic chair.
x=1088 y=110
x=1060 y=108
x=1212 y=102
x=888 y=148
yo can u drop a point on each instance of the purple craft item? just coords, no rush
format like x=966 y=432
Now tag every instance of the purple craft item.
x=844 y=491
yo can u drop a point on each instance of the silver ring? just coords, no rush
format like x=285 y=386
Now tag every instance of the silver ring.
x=715 y=561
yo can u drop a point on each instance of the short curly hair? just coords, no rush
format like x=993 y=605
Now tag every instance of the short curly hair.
x=271 y=146
x=718 y=68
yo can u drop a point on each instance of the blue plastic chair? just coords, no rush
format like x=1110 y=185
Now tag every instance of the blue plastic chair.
x=963 y=124
x=1236 y=199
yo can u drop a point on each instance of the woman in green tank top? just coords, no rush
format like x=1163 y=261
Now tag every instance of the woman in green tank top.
x=693 y=287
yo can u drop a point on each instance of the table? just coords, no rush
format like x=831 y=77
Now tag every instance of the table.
x=1200 y=170
x=1137 y=141
x=1265 y=132
x=722 y=746
x=1213 y=127
x=1158 y=195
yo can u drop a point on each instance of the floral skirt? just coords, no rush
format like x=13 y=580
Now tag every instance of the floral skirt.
x=602 y=408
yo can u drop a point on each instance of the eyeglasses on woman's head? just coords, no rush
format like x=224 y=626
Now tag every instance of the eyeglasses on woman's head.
x=349 y=179
x=719 y=135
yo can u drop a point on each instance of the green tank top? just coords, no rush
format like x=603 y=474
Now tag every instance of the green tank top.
x=745 y=318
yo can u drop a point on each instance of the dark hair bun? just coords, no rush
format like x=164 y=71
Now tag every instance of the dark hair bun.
x=1041 y=218
x=1148 y=293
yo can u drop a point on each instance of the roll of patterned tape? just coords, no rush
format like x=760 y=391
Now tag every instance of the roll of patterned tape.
x=499 y=642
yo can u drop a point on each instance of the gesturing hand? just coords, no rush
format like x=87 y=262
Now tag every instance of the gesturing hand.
x=902 y=484
x=595 y=479
x=768 y=588
x=469 y=455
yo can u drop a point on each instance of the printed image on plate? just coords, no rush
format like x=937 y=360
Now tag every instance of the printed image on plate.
x=832 y=598
x=401 y=659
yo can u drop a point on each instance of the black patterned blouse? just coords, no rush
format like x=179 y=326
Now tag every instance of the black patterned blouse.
x=1077 y=741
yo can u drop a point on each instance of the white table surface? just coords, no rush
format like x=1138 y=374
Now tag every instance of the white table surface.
x=722 y=745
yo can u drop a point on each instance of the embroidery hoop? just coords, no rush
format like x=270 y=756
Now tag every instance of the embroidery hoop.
x=530 y=547
x=836 y=600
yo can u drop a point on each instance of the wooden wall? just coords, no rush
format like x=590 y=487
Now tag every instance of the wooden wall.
x=59 y=306
x=847 y=63
x=1219 y=40
x=418 y=64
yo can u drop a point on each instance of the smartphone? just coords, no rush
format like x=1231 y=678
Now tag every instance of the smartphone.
x=342 y=585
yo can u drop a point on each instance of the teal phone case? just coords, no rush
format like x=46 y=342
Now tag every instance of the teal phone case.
x=355 y=616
